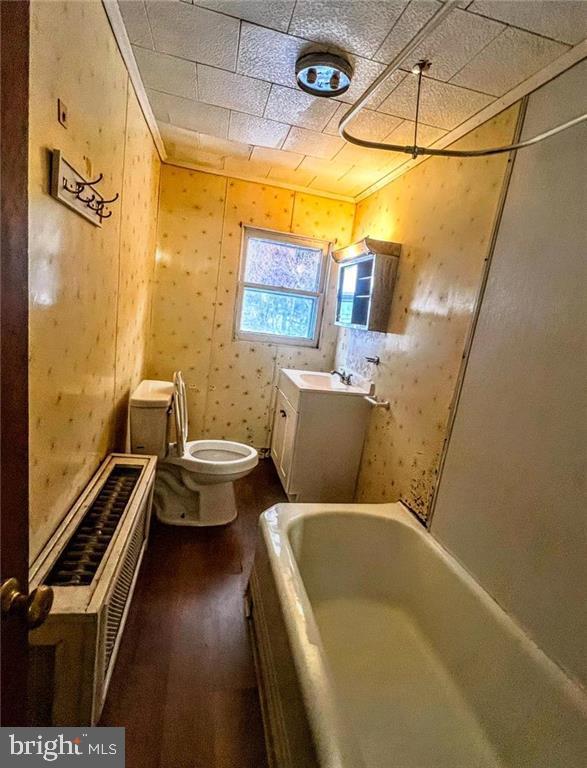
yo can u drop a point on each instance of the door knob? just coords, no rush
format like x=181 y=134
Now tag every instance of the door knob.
x=36 y=606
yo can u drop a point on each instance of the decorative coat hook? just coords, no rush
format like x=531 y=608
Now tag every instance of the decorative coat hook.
x=68 y=186
x=91 y=183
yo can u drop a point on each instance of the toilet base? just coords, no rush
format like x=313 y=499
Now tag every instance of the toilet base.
x=206 y=505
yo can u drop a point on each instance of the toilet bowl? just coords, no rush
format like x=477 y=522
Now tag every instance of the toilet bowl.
x=194 y=481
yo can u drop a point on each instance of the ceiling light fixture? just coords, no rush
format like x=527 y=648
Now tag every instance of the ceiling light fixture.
x=323 y=74
x=419 y=69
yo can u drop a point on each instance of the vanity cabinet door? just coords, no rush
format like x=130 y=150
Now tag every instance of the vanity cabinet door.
x=282 y=441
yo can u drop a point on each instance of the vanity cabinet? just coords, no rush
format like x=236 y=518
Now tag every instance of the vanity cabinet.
x=365 y=284
x=317 y=440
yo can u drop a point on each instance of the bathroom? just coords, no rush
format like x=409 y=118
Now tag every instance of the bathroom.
x=351 y=523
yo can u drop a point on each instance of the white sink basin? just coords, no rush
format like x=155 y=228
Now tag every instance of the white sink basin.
x=319 y=381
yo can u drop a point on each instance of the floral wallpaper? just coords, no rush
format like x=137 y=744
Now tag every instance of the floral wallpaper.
x=88 y=286
x=230 y=383
x=442 y=212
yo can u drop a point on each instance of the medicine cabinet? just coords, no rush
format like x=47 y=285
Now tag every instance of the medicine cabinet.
x=365 y=284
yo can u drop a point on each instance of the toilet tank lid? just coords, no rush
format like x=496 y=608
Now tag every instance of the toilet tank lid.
x=152 y=394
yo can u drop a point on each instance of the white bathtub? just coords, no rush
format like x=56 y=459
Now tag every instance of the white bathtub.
x=376 y=649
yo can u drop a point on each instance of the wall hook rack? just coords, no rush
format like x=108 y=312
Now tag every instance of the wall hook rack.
x=72 y=189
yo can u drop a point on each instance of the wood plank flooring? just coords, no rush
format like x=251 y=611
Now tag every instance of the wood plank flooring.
x=184 y=683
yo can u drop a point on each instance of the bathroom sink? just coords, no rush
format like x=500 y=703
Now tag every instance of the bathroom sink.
x=319 y=381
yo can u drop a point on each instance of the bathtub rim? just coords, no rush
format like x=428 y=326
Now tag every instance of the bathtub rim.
x=335 y=748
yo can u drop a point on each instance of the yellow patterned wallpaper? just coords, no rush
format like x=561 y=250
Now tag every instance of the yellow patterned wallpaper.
x=89 y=287
x=230 y=383
x=442 y=212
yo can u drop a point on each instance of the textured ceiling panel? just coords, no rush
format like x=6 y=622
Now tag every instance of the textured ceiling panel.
x=358 y=27
x=136 y=22
x=368 y=125
x=368 y=159
x=186 y=113
x=223 y=147
x=455 y=42
x=509 y=59
x=415 y=16
x=563 y=20
x=257 y=130
x=269 y=55
x=300 y=177
x=166 y=73
x=442 y=105
x=275 y=14
x=227 y=89
x=404 y=134
x=194 y=33
x=277 y=157
x=220 y=76
x=290 y=105
x=312 y=143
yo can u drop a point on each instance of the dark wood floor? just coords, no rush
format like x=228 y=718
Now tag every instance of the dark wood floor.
x=184 y=683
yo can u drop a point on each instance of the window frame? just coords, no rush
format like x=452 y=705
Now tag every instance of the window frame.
x=288 y=238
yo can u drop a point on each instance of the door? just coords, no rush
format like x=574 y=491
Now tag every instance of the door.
x=282 y=443
x=14 y=69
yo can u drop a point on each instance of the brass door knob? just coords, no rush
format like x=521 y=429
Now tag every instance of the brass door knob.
x=36 y=606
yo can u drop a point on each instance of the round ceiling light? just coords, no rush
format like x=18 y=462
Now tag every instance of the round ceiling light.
x=323 y=74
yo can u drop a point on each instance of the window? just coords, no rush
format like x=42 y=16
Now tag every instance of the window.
x=281 y=288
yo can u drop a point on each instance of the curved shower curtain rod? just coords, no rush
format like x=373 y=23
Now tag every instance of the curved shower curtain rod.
x=414 y=149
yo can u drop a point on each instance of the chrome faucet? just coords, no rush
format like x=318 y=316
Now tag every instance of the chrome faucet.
x=345 y=378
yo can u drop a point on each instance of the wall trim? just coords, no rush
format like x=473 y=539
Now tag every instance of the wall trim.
x=555 y=68
x=265 y=180
x=125 y=48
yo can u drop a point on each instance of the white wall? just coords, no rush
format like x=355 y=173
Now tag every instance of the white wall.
x=512 y=502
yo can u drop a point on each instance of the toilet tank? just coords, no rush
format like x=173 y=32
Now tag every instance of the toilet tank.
x=150 y=405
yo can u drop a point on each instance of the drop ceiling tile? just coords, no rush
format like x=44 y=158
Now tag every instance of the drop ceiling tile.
x=246 y=168
x=442 y=105
x=404 y=134
x=275 y=14
x=311 y=143
x=414 y=17
x=166 y=73
x=226 y=89
x=184 y=146
x=368 y=125
x=564 y=20
x=455 y=42
x=511 y=58
x=224 y=147
x=332 y=169
x=357 y=180
x=362 y=157
x=269 y=55
x=277 y=158
x=171 y=134
x=359 y=26
x=136 y=22
x=257 y=130
x=186 y=113
x=298 y=176
x=194 y=33
x=292 y=105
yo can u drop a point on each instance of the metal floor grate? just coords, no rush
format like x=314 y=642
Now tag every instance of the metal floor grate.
x=79 y=561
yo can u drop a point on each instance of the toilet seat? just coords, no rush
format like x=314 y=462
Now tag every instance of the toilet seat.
x=205 y=461
x=215 y=457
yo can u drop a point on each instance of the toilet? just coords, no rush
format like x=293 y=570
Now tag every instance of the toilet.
x=194 y=481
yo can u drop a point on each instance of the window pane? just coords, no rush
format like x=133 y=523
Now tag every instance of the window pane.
x=280 y=314
x=282 y=265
